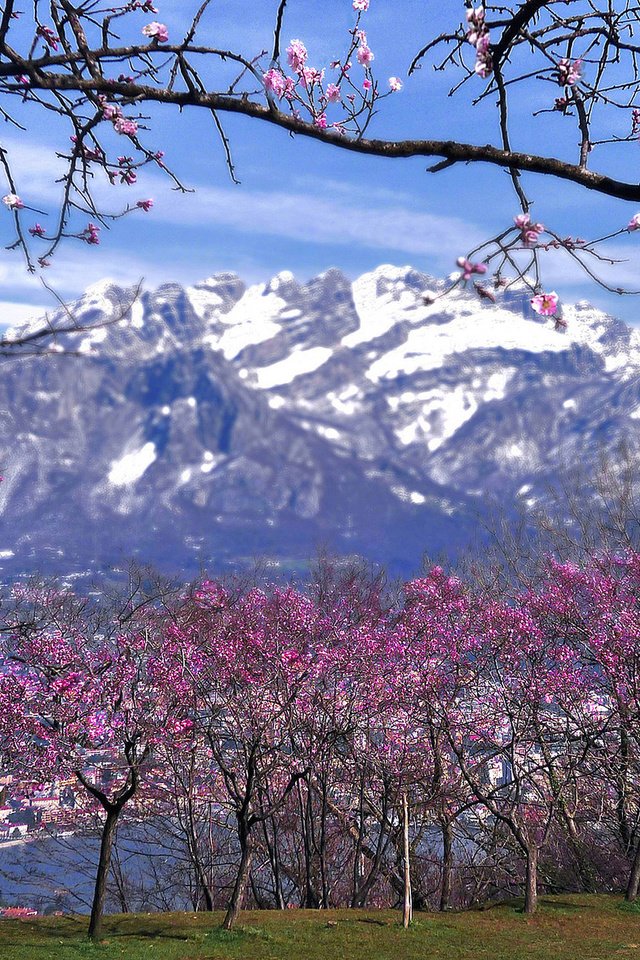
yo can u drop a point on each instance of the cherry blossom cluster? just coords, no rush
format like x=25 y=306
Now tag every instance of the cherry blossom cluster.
x=307 y=90
x=568 y=72
x=478 y=35
x=529 y=231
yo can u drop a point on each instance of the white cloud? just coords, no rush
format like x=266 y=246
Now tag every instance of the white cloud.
x=12 y=313
x=319 y=218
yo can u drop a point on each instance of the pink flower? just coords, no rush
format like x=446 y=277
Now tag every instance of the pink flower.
x=468 y=268
x=320 y=121
x=275 y=82
x=568 y=73
x=333 y=93
x=361 y=5
x=156 y=31
x=13 y=201
x=128 y=127
x=395 y=84
x=310 y=75
x=529 y=232
x=144 y=205
x=366 y=84
x=37 y=230
x=297 y=55
x=545 y=304
x=634 y=223
x=49 y=36
x=478 y=35
x=111 y=111
x=364 y=56
x=90 y=234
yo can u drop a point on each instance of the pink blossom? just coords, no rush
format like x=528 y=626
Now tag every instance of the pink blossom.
x=156 y=31
x=37 y=230
x=49 y=36
x=529 y=231
x=111 y=111
x=366 y=84
x=634 y=223
x=545 y=304
x=144 y=205
x=13 y=201
x=364 y=56
x=395 y=84
x=468 y=268
x=90 y=234
x=333 y=93
x=321 y=121
x=297 y=55
x=128 y=127
x=275 y=82
x=310 y=75
x=478 y=35
x=568 y=73
x=361 y=5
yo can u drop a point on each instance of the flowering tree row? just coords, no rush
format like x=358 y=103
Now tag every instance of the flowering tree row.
x=345 y=749
x=92 y=69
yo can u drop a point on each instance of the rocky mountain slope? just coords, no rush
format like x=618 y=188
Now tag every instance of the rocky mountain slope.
x=218 y=423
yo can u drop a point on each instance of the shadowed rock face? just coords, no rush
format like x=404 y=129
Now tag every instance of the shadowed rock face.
x=219 y=423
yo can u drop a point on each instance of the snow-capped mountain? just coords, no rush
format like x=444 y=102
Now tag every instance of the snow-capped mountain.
x=220 y=422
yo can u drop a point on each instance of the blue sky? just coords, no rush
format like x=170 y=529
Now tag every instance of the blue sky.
x=304 y=206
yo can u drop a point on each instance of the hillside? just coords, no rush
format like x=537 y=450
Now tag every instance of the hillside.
x=566 y=927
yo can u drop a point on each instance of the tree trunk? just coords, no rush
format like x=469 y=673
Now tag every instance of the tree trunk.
x=240 y=885
x=104 y=863
x=447 y=864
x=407 y=911
x=634 y=878
x=531 y=891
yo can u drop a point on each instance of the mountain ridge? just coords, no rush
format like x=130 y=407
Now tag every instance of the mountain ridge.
x=221 y=421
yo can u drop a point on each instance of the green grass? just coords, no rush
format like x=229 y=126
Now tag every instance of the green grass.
x=566 y=928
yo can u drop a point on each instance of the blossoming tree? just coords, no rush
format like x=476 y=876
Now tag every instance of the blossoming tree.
x=94 y=706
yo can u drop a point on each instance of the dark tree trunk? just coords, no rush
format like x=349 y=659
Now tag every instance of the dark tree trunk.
x=531 y=888
x=447 y=864
x=240 y=885
x=104 y=863
x=634 y=878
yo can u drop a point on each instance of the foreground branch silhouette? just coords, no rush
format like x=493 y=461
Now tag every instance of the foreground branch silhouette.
x=95 y=67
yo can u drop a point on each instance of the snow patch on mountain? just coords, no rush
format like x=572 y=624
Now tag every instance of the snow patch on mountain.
x=378 y=311
x=132 y=466
x=295 y=365
x=250 y=321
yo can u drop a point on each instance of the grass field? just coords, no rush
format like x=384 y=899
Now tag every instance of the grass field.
x=567 y=928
